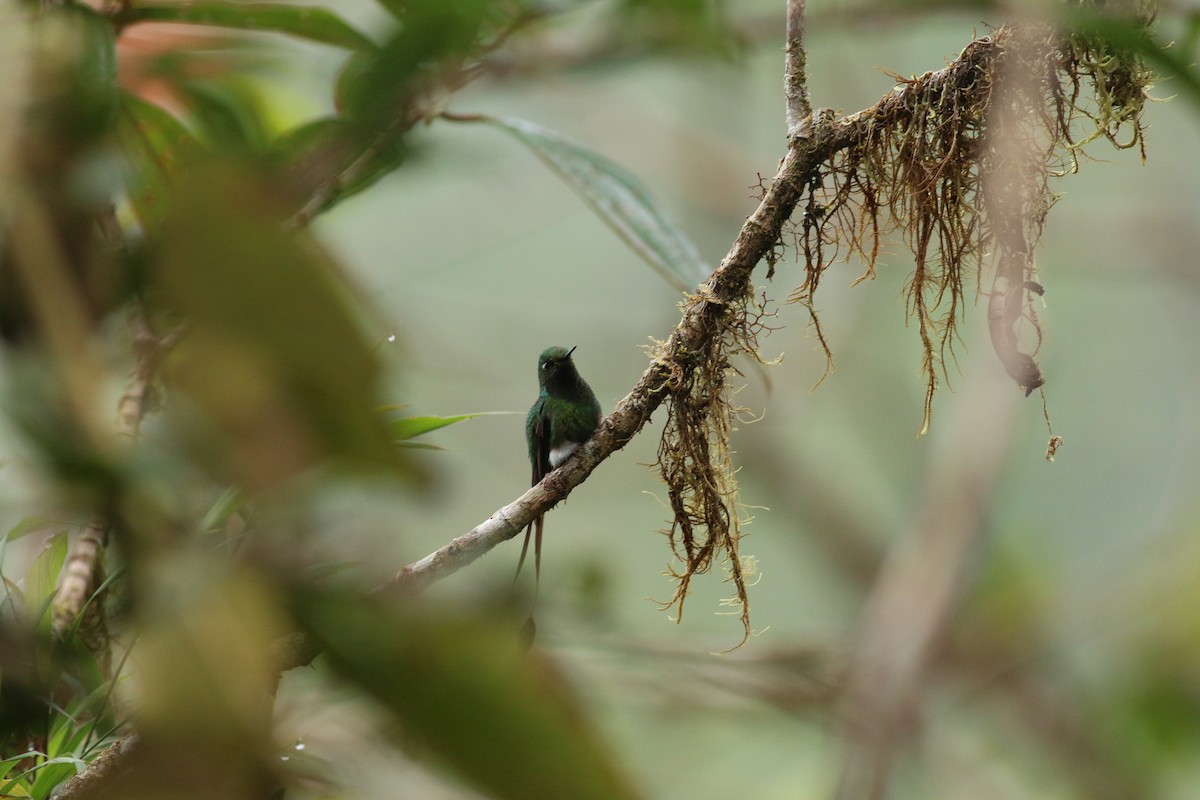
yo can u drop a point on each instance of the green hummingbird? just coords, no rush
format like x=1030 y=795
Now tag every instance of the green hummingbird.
x=564 y=416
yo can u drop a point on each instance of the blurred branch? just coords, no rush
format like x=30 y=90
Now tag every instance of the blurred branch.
x=908 y=612
x=998 y=667
x=1053 y=715
x=81 y=575
x=800 y=679
x=801 y=489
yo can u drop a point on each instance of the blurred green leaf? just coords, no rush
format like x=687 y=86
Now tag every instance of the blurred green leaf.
x=13 y=787
x=230 y=501
x=75 y=90
x=305 y=22
x=411 y=445
x=500 y=718
x=275 y=354
x=41 y=581
x=206 y=677
x=410 y=427
x=697 y=26
x=25 y=527
x=156 y=145
x=311 y=153
x=228 y=113
x=1191 y=33
x=51 y=773
x=1165 y=705
x=619 y=198
x=374 y=88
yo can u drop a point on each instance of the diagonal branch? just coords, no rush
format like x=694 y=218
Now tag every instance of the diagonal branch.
x=911 y=606
x=701 y=320
x=700 y=324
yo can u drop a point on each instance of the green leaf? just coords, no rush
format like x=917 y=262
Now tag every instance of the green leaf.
x=52 y=772
x=228 y=113
x=41 y=580
x=12 y=788
x=22 y=529
x=25 y=527
x=501 y=718
x=156 y=146
x=410 y=427
x=411 y=445
x=304 y=22
x=74 y=93
x=313 y=152
x=619 y=198
x=230 y=501
x=376 y=88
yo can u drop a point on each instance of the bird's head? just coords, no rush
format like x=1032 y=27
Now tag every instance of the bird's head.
x=555 y=366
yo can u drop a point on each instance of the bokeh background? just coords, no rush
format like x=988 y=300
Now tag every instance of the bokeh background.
x=1089 y=565
x=1072 y=668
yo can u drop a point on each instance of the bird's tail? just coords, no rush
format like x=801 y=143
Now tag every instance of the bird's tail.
x=536 y=528
x=528 y=631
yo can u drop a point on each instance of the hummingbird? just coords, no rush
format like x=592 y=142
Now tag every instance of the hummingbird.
x=564 y=416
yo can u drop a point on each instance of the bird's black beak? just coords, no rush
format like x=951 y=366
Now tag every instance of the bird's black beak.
x=572 y=350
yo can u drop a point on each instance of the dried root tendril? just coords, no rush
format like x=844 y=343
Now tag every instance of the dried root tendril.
x=695 y=461
x=958 y=163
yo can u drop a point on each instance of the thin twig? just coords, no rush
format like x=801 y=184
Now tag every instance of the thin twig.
x=795 y=75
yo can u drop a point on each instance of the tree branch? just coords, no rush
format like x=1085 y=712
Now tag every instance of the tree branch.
x=699 y=325
x=807 y=152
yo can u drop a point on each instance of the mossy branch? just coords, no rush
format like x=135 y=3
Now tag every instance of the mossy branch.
x=704 y=320
x=928 y=155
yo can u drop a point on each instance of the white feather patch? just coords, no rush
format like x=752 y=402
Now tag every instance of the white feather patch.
x=559 y=454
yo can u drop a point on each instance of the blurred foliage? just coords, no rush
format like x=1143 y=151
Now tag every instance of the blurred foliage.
x=151 y=183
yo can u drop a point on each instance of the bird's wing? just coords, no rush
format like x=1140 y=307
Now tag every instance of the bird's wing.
x=539 y=451
x=539 y=458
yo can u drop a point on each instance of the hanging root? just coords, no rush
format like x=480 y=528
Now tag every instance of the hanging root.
x=958 y=162
x=695 y=460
